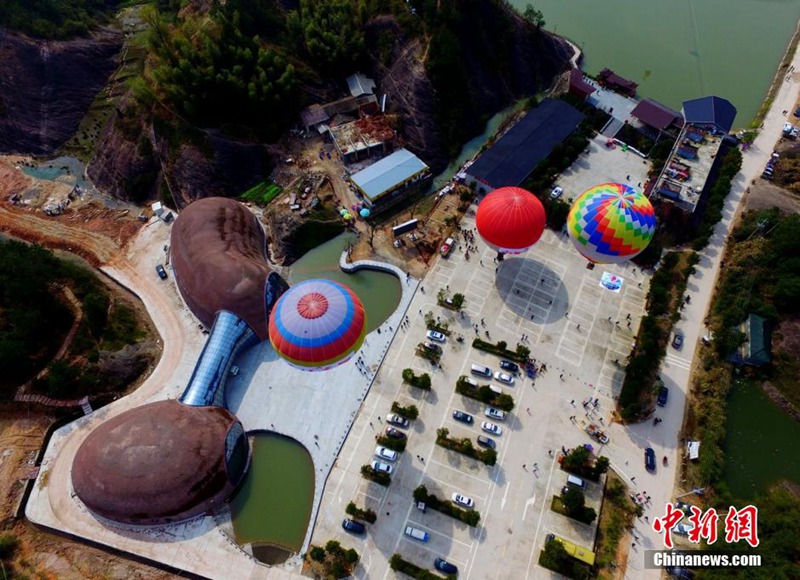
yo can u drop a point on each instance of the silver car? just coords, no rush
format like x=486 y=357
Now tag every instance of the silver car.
x=385 y=453
x=463 y=500
x=504 y=377
x=380 y=466
x=490 y=427
x=493 y=413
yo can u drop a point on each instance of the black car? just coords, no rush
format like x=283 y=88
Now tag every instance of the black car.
x=162 y=273
x=463 y=417
x=444 y=566
x=797 y=112
x=650 y=459
x=485 y=441
x=509 y=366
x=353 y=526
x=395 y=433
x=663 y=393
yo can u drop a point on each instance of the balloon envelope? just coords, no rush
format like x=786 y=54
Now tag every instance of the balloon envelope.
x=510 y=220
x=317 y=324
x=611 y=222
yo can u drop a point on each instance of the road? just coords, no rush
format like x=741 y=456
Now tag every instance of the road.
x=675 y=370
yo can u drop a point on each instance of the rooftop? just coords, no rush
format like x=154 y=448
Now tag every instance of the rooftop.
x=710 y=111
x=512 y=157
x=387 y=173
x=656 y=115
x=360 y=85
x=362 y=134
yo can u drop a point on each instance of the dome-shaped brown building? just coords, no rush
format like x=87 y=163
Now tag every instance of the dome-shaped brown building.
x=218 y=255
x=161 y=463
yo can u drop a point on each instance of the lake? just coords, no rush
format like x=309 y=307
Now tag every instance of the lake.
x=680 y=49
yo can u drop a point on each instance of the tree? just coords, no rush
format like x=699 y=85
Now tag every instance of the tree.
x=576 y=460
x=421 y=494
x=424 y=381
x=408 y=375
x=317 y=554
x=523 y=351
x=534 y=16
x=601 y=466
x=334 y=548
x=351 y=556
x=554 y=556
x=573 y=500
x=332 y=33
x=458 y=300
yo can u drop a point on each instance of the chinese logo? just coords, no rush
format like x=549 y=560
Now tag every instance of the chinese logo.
x=739 y=525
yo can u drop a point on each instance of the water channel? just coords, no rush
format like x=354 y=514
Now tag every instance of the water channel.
x=273 y=506
x=379 y=292
x=760 y=447
x=680 y=49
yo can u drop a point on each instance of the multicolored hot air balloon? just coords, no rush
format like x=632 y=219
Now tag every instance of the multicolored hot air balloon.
x=317 y=324
x=510 y=220
x=610 y=223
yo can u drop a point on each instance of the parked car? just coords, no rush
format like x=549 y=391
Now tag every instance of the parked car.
x=683 y=529
x=797 y=112
x=385 y=453
x=162 y=273
x=595 y=431
x=437 y=336
x=395 y=419
x=463 y=417
x=650 y=459
x=507 y=365
x=490 y=427
x=380 y=466
x=677 y=341
x=445 y=566
x=485 y=441
x=395 y=433
x=432 y=347
x=663 y=394
x=504 y=377
x=416 y=533
x=353 y=526
x=556 y=193
x=493 y=413
x=447 y=246
x=463 y=500
x=234 y=371
x=684 y=507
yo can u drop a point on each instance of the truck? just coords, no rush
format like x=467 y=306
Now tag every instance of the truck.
x=595 y=432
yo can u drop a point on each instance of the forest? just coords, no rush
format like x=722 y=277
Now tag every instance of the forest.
x=54 y=19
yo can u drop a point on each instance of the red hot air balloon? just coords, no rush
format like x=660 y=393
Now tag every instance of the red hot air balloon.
x=510 y=220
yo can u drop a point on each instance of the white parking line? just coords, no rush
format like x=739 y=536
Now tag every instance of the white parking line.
x=450 y=484
x=433 y=462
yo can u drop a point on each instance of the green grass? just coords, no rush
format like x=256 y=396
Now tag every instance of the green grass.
x=262 y=193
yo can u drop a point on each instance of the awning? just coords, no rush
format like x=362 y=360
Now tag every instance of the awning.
x=694 y=449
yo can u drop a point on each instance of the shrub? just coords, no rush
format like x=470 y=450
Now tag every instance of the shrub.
x=398 y=445
x=367 y=515
x=317 y=554
x=422 y=381
x=502 y=352
x=411 y=412
x=465 y=447
x=378 y=477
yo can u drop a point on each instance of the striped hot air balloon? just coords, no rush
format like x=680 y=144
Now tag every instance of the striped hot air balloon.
x=317 y=324
x=611 y=223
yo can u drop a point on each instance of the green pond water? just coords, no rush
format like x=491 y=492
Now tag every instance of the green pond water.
x=273 y=506
x=761 y=443
x=379 y=291
x=680 y=49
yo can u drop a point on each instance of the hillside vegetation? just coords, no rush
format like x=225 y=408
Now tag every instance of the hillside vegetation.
x=54 y=19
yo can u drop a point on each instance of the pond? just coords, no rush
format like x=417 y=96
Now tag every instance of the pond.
x=380 y=292
x=680 y=49
x=271 y=511
x=761 y=442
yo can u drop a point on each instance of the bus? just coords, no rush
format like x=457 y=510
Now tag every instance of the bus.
x=574 y=550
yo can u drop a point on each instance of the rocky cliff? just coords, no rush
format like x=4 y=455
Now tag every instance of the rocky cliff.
x=46 y=87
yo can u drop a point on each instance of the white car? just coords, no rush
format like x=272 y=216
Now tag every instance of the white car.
x=437 y=336
x=385 y=453
x=493 y=413
x=504 y=377
x=463 y=500
x=490 y=427
x=556 y=193
x=380 y=466
x=395 y=419
x=683 y=529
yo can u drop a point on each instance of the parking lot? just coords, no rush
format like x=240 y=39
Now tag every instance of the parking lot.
x=580 y=330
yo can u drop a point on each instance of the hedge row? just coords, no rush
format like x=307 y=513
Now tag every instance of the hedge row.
x=411 y=412
x=398 y=445
x=396 y=562
x=465 y=447
x=422 y=381
x=520 y=355
x=378 y=477
x=485 y=395
x=447 y=507
x=367 y=515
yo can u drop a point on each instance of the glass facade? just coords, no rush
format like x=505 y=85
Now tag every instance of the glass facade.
x=229 y=335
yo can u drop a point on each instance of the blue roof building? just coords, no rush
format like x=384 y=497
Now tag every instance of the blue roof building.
x=714 y=111
x=385 y=182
